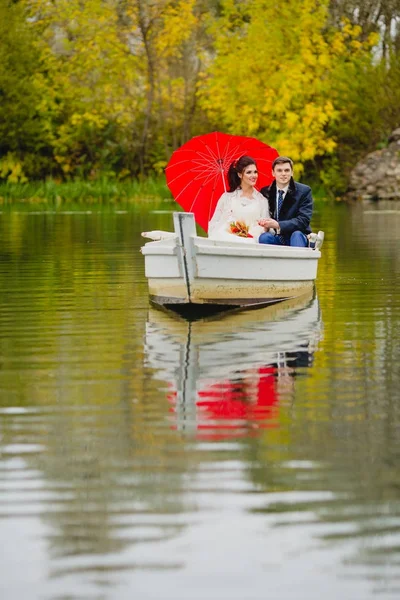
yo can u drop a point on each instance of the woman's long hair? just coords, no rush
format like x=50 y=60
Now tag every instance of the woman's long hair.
x=238 y=166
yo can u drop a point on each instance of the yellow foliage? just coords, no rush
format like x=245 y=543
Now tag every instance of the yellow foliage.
x=159 y=166
x=119 y=79
x=272 y=74
x=91 y=77
x=11 y=169
x=113 y=66
x=179 y=20
x=356 y=44
x=373 y=39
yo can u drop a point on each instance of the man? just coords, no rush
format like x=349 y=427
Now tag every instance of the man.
x=290 y=204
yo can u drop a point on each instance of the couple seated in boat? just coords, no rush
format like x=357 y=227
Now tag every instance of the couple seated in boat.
x=243 y=214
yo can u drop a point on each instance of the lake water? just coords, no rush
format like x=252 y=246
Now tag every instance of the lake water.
x=247 y=457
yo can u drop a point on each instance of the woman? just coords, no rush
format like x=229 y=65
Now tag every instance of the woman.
x=239 y=210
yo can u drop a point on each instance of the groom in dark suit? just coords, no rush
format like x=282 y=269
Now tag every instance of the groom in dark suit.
x=290 y=206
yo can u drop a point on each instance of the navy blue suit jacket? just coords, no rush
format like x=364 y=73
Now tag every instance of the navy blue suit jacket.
x=296 y=210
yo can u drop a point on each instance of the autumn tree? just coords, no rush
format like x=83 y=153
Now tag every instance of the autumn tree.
x=23 y=138
x=271 y=76
x=120 y=81
x=92 y=85
x=368 y=98
x=112 y=87
x=382 y=16
x=164 y=30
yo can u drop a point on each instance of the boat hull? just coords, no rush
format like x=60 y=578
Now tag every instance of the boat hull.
x=193 y=270
x=229 y=291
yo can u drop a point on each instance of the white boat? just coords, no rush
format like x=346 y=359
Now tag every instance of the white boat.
x=199 y=361
x=185 y=270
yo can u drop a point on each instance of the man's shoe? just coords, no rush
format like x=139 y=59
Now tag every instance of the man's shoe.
x=315 y=240
x=320 y=240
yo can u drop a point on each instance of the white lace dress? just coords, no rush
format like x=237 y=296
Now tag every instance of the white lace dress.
x=233 y=206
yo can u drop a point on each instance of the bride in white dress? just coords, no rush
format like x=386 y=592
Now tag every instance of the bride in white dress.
x=243 y=204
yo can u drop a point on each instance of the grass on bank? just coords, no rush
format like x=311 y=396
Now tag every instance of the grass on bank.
x=100 y=191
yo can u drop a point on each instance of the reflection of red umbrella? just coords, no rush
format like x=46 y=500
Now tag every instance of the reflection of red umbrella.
x=196 y=173
x=226 y=409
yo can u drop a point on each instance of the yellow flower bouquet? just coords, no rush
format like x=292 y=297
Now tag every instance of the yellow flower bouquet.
x=241 y=229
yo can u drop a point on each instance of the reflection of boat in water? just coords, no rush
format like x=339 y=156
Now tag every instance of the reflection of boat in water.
x=228 y=369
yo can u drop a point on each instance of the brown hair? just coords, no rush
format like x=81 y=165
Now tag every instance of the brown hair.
x=281 y=160
x=238 y=166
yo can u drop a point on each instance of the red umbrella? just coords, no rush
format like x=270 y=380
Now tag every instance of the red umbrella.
x=196 y=173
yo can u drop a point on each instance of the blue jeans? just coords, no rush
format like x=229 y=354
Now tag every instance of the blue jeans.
x=296 y=239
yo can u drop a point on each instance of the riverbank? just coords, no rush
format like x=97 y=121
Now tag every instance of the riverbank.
x=85 y=192
x=52 y=193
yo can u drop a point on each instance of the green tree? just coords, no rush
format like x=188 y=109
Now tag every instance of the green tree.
x=24 y=143
x=112 y=87
x=91 y=90
x=119 y=90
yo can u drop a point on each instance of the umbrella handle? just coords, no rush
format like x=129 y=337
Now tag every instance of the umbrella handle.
x=221 y=163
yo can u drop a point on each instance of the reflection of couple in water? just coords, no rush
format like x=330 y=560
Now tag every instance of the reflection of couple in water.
x=227 y=376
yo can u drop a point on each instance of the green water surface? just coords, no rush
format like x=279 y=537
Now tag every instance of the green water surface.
x=248 y=457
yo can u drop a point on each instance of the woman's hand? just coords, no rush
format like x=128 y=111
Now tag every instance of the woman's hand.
x=269 y=223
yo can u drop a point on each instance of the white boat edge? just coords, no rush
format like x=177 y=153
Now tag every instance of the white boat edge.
x=187 y=269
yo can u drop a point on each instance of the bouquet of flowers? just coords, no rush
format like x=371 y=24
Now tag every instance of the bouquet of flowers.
x=239 y=228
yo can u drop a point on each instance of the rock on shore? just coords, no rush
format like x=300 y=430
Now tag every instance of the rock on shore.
x=377 y=176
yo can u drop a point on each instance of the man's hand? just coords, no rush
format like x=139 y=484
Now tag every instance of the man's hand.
x=269 y=223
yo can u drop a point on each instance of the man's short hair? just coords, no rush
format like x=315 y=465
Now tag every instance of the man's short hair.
x=281 y=160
